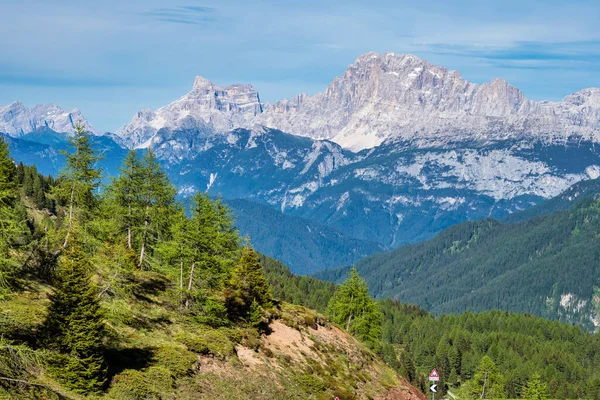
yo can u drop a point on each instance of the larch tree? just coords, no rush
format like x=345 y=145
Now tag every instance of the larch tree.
x=158 y=204
x=353 y=308
x=535 y=389
x=487 y=382
x=248 y=288
x=11 y=225
x=126 y=191
x=79 y=179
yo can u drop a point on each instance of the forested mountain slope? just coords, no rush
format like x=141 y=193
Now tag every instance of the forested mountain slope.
x=86 y=313
x=546 y=266
x=303 y=244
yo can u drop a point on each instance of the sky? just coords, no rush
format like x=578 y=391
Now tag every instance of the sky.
x=112 y=58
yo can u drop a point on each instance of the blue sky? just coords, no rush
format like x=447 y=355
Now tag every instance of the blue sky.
x=111 y=58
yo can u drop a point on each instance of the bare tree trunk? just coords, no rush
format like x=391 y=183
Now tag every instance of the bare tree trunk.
x=181 y=281
x=72 y=198
x=348 y=323
x=129 y=227
x=189 y=287
x=143 y=249
x=484 y=384
x=350 y=316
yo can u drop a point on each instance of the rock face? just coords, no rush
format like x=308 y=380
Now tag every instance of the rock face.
x=393 y=194
x=207 y=108
x=380 y=97
x=18 y=120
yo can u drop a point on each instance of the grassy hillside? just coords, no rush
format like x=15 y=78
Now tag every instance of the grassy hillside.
x=155 y=352
x=546 y=266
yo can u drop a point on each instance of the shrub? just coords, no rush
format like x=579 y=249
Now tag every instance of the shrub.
x=150 y=384
x=210 y=342
x=175 y=359
x=310 y=383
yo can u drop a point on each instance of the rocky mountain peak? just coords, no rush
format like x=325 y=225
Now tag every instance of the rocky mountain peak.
x=207 y=108
x=202 y=83
x=16 y=119
x=380 y=97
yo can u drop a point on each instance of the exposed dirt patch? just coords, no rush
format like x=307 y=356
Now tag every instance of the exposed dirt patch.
x=288 y=341
x=406 y=392
x=248 y=357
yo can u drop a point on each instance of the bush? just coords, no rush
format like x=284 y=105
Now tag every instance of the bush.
x=212 y=312
x=175 y=359
x=310 y=383
x=150 y=384
x=210 y=342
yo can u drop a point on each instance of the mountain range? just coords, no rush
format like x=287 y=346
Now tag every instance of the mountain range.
x=392 y=152
x=380 y=97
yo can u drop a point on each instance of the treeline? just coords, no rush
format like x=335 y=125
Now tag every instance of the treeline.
x=100 y=247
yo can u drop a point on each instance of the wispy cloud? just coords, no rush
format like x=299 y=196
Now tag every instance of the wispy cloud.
x=525 y=54
x=188 y=15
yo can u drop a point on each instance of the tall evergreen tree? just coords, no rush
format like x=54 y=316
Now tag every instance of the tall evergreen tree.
x=127 y=193
x=74 y=325
x=79 y=179
x=535 y=389
x=11 y=223
x=248 y=285
x=158 y=203
x=353 y=308
x=487 y=382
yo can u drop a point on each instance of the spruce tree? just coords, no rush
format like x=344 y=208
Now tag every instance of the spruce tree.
x=79 y=179
x=353 y=308
x=74 y=325
x=248 y=285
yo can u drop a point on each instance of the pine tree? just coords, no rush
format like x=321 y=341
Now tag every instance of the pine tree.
x=74 y=325
x=248 y=285
x=158 y=203
x=353 y=308
x=535 y=389
x=79 y=179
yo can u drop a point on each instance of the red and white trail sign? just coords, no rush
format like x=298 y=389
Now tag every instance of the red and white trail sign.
x=434 y=376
